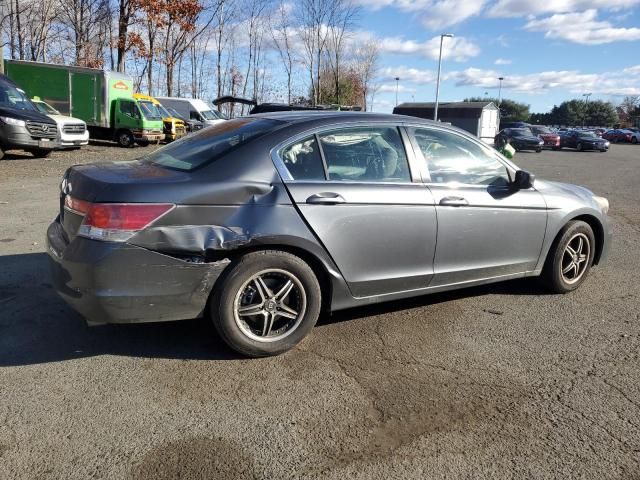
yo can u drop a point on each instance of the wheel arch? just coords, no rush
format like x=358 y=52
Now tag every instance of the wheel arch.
x=315 y=263
x=598 y=233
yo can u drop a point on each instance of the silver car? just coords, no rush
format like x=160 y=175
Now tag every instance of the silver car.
x=263 y=222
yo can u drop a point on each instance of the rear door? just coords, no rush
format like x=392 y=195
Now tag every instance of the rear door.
x=354 y=187
x=486 y=227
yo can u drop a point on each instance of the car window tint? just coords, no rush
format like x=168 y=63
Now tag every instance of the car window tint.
x=369 y=154
x=128 y=108
x=303 y=160
x=452 y=158
x=211 y=143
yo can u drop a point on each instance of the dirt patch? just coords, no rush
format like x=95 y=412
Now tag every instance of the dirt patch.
x=195 y=458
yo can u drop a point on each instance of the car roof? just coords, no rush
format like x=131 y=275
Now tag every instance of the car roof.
x=320 y=117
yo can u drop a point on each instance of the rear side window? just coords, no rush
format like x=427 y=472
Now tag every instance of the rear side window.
x=211 y=143
x=365 y=154
x=303 y=160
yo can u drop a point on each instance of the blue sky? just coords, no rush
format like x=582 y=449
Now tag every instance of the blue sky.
x=546 y=51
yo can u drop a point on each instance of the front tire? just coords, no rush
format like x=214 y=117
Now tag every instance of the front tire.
x=40 y=152
x=1 y=153
x=570 y=258
x=266 y=303
x=125 y=139
x=579 y=147
x=634 y=140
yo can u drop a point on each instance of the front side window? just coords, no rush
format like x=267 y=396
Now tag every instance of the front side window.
x=451 y=158
x=129 y=108
x=365 y=154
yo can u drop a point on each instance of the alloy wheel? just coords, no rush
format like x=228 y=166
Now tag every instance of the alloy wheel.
x=575 y=258
x=270 y=305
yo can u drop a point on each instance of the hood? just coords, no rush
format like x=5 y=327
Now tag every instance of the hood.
x=25 y=115
x=64 y=120
x=557 y=190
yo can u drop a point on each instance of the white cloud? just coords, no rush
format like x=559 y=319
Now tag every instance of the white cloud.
x=521 y=8
x=622 y=82
x=582 y=27
x=409 y=75
x=433 y=14
x=458 y=49
x=389 y=87
x=503 y=61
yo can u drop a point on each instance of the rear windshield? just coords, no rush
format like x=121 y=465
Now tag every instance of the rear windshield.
x=541 y=130
x=211 y=143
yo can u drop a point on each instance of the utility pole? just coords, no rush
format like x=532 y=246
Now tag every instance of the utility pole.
x=2 y=7
x=586 y=106
x=397 y=80
x=500 y=91
x=435 y=110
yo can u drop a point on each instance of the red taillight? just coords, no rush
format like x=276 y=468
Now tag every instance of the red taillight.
x=124 y=216
x=115 y=221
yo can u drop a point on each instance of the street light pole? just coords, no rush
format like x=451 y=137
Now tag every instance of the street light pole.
x=500 y=91
x=435 y=110
x=586 y=106
x=397 y=80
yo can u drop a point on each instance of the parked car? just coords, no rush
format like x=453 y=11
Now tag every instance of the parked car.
x=72 y=132
x=583 y=140
x=549 y=137
x=194 y=109
x=190 y=124
x=262 y=222
x=173 y=127
x=617 y=136
x=635 y=135
x=22 y=126
x=520 y=139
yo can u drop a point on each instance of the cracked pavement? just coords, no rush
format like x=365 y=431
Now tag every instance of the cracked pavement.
x=502 y=381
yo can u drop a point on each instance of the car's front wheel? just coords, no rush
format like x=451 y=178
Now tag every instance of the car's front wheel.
x=266 y=303
x=40 y=152
x=570 y=258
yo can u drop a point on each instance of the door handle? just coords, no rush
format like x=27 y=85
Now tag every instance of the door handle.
x=454 y=202
x=326 y=198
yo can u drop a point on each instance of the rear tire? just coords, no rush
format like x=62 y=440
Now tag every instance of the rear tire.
x=570 y=258
x=40 y=152
x=248 y=313
x=579 y=147
x=1 y=153
x=634 y=140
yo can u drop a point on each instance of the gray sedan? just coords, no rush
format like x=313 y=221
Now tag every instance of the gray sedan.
x=263 y=222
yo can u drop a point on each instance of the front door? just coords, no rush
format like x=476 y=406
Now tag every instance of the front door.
x=486 y=227
x=354 y=188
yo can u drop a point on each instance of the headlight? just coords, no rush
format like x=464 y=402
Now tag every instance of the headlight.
x=541 y=142
x=13 y=121
x=602 y=202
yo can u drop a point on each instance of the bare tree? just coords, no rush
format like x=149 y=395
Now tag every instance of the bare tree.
x=282 y=32
x=342 y=18
x=85 y=21
x=365 y=63
x=314 y=16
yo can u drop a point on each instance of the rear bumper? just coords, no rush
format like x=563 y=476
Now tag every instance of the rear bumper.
x=109 y=282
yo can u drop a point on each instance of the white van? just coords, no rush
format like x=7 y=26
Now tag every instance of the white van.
x=193 y=109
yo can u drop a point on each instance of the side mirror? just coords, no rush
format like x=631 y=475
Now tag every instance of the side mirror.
x=524 y=180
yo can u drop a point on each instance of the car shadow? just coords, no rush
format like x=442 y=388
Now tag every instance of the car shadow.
x=36 y=326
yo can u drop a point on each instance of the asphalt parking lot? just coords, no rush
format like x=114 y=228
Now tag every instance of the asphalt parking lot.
x=503 y=381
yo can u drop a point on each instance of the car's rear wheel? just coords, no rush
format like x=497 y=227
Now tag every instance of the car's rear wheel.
x=570 y=257
x=634 y=140
x=266 y=303
x=1 y=153
x=579 y=147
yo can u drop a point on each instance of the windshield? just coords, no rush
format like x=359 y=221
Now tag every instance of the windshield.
x=12 y=97
x=174 y=113
x=213 y=115
x=541 y=130
x=163 y=111
x=46 y=108
x=210 y=144
x=149 y=110
x=587 y=135
x=521 y=132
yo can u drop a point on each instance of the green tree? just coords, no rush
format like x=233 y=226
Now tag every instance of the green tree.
x=510 y=110
x=576 y=112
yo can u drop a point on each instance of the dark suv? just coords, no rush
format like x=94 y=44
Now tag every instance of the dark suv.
x=22 y=126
